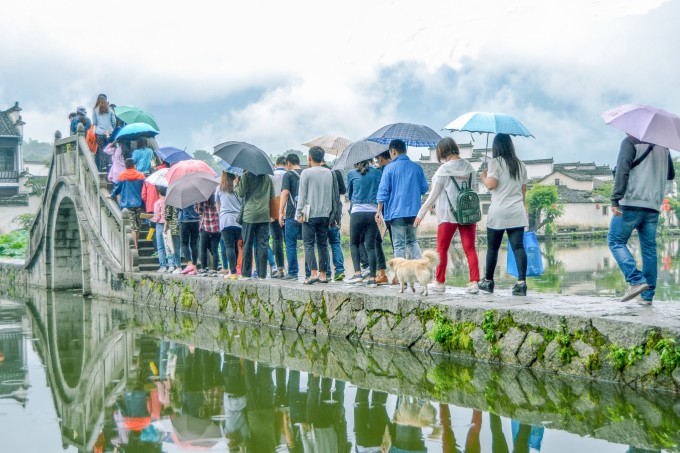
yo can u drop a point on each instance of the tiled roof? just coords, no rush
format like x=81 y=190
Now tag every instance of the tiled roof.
x=579 y=196
x=538 y=161
x=7 y=128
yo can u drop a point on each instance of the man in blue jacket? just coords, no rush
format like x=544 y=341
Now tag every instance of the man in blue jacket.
x=129 y=187
x=401 y=187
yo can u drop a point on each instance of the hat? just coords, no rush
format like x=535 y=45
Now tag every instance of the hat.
x=81 y=110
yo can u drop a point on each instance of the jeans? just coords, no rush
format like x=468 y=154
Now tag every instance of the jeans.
x=209 y=241
x=620 y=229
x=468 y=234
x=336 y=251
x=160 y=245
x=252 y=233
x=315 y=232
x=277 y=243
x=362 y=230
x=404 y=238
x=230 y=237
x=188 y=235
x=293 y=233
x=516 y=239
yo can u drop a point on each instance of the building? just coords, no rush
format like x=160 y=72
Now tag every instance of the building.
x=11 y=161
x=583 y=210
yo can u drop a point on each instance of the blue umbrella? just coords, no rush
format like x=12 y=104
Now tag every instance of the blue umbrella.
x=490 y=123
x=172 y=159
x=411 y=134
x=136 y=130
x=166 y=151
x=229 y=169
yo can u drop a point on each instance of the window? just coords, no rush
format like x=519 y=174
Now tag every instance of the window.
x=605 y=210
x=6 y=159
x=557 y=181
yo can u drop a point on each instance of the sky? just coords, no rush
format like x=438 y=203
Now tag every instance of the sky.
x=277 y=74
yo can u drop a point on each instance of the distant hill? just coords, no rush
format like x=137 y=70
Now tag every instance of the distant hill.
x=35 y=151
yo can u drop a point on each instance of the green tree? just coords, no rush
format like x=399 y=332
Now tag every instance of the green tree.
x=36 y=151
x=544 y=206
x=208 y=158
x=604 y=189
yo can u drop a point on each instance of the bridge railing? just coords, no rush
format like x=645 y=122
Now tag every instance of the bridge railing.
x=107 y=229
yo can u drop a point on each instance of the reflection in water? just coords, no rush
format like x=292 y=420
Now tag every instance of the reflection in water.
x=236 y=388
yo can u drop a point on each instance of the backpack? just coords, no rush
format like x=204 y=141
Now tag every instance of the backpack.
x=91 y=139
x=467 y=210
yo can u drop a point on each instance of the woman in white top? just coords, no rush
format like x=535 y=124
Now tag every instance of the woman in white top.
x=507 y=181
x=445 y=193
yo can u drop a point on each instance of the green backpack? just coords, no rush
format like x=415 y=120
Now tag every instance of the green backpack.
x=467 y=210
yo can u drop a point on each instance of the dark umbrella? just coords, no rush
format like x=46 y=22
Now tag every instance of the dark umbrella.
x=246 y=156
x=172 y=159
x=411 y=134
x=190 y=188
x=358 y=152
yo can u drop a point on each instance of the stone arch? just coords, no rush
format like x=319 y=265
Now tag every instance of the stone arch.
x=67 y=340
x=66 y=248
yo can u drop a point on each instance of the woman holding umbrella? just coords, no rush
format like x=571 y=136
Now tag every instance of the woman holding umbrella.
x=507 y=181
x=104 y=121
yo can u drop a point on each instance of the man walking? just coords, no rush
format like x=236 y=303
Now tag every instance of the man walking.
x=291 y=228
x=402 y=184
x=334 y=233
x=317 y=210
x=639 y=187
x=275 y=228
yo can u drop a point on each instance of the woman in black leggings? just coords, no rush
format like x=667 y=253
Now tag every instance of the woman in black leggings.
x=506 y=178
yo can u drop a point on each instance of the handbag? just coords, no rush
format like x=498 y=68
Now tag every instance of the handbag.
x=534 y=258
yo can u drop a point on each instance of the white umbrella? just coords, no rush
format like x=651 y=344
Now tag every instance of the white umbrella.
x=157 y=178
x=358 y=152
x=332 y=144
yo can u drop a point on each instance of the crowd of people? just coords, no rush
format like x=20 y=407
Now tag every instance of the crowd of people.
x=251 y=226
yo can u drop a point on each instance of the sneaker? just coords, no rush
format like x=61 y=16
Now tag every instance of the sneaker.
x=354 y=279
x=177 y=271
x=241 y=278
x=645 y=302
x=437 y=287
x=170 y=269
x=231 y=277
x=382 y=280
x=520 y=289
x=633 y=291
x=371 y=283
x=486 y=285
x=290 y=277
x=365 y=272
x=339 y=277
x=193 y=271
x=162 y=270
x=472 y=288
x=189 y=268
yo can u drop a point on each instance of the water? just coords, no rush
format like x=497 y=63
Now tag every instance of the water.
x=584 y=268
x=83 y=375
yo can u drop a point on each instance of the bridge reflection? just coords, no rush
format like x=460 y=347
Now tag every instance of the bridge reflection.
x=132 y=379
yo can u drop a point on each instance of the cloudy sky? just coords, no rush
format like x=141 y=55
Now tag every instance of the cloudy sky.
x=277 y=74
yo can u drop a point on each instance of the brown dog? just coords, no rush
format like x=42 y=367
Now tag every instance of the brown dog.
x=421 y=270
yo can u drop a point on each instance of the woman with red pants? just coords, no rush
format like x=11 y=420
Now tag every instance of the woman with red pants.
x=444 y=193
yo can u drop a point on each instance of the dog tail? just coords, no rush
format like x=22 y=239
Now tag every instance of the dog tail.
x=432 y=257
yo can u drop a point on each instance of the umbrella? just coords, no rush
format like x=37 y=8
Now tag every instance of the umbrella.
x=172 y=159
x=358 y=152
x=411 y=134
x=136 y=130
x=157 y=178
x=246 y=156
x=229 y=169
x=647 y=124
x=197 y=432
x=191 y=189
x=188 y=166
x=332 y=144
x=489 y=123
x=131 y=114
x=166 y=151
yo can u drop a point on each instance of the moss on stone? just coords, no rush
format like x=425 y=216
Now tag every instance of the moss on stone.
x=452 y=336
x=187 y=298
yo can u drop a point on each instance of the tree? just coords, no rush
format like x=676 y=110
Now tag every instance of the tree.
x=208 y=158
x=544 y=206
x=35 y=151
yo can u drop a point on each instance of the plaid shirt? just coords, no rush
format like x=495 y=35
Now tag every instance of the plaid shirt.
x=210 y=218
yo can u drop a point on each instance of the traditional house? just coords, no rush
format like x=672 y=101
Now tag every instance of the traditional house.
x=11 y=162
x=582 y=210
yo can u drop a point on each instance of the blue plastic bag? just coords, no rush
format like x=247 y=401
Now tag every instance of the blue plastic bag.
x=534 y=260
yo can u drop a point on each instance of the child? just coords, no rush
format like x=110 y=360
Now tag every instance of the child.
x=166 y=265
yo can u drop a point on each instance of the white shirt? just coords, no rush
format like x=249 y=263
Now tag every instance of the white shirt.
x=507 y=202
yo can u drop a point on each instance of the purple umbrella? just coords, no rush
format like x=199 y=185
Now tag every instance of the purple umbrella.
x=647 y=124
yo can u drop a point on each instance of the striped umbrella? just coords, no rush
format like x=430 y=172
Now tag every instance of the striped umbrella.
x=332 y=144
x=411 y=134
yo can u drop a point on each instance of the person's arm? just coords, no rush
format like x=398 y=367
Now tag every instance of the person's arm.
x=282 y=206
x=95 y=120
x=623 y=164
x=671 y=169
x=341 y=183
x=384 y=190
x=302 y=196
x=241 y=190
x=350 y=190
x=434 y=194
x=490 y=178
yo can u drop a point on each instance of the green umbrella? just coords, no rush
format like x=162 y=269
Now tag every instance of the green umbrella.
x=131 y=114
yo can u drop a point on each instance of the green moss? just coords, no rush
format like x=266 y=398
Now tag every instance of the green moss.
x=187 y=298
x=622 y=358
x=495 y=351
x=223 y=302
x=452 y=336
x=489 y=326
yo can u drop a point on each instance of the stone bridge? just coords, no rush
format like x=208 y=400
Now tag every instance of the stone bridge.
x=79 y=239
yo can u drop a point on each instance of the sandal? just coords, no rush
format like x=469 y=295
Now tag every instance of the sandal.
x=312 y=280
x=323 y=281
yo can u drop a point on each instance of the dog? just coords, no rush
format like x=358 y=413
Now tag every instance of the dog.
x=421 y=270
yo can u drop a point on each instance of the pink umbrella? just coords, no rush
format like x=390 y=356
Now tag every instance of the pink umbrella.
x=647 y=124
x=188 y=166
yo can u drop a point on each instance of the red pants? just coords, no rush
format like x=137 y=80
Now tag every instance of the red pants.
x=468 y=234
